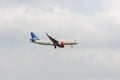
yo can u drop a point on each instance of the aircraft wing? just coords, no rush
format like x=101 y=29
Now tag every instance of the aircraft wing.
x=55 y=42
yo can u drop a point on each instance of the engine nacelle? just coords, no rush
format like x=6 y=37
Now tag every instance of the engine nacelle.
x=61 y=44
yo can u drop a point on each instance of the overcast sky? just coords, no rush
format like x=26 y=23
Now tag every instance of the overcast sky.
x=94 y=23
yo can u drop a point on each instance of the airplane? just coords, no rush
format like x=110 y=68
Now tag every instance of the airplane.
x=51 y=41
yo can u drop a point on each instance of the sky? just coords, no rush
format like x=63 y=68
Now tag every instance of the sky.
x=94 y=23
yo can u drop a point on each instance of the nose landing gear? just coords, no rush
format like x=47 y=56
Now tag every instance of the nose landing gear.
x=71 y=46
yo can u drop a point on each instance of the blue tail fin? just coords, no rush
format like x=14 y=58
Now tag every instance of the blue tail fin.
x=34 y=37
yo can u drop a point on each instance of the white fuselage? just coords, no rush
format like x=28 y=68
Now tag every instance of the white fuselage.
x=49 y=42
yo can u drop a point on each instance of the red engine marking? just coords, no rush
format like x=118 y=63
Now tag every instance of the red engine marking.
x=62 y=44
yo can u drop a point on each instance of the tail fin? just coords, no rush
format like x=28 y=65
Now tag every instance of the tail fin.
x=34 y=37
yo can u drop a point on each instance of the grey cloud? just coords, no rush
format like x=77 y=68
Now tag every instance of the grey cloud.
x=85 y=7
x=96 y=57
x=62 y=65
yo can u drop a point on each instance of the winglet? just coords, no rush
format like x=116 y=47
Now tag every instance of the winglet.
x=34 y=37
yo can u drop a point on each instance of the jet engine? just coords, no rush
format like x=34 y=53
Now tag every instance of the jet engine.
x=61 y=44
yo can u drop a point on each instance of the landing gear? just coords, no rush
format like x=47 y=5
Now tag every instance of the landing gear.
x=55 y=46
x=71 y=46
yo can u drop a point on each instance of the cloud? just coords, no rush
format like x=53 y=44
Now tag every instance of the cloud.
x=96 y=57
x=68 y=64
x=111 y=5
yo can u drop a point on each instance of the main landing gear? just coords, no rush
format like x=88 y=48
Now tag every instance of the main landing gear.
x=71 y=46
